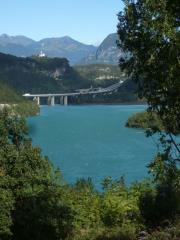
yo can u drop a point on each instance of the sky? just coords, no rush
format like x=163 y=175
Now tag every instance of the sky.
x=88 y=21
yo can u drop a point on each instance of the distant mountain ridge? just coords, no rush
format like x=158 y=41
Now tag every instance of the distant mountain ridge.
x=18 y=40
x=63 y=47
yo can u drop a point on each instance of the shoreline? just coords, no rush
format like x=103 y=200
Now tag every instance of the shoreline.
x=100 y=104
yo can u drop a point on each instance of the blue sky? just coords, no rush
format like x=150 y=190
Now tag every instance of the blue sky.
x=88 y=21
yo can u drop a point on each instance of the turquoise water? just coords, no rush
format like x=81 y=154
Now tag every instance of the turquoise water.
x=91 y=141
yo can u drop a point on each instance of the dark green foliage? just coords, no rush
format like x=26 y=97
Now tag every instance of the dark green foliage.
x=100 y=74
x=145 y=120
x=32 y=207
x=109 y=98
x=26 y=108
x=162 y=203
x=149 y=31
x=18 y=104
x=6 y=206
x=42 y=216
x=39 y=75
x=9 y=95
x=172 y=232
x=159 y=206
x=84 y=185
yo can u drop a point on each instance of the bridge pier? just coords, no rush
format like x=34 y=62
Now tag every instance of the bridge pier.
x=65 y=100
x=37 y=99
x=61 y=100
x=51 y=101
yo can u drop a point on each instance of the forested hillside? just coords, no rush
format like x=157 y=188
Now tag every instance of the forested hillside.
x=39 y=74
x=8 y=94
x=9 y=97
x=100 y=74
x=55 y=75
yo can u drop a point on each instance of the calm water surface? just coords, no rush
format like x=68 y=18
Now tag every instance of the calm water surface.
x=91 y=141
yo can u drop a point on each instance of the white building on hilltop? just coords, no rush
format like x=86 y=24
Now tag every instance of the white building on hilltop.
x=41 y=54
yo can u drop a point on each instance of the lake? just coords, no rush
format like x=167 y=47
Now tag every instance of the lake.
x=92 y=141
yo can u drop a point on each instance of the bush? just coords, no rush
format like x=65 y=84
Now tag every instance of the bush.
x=144 y=120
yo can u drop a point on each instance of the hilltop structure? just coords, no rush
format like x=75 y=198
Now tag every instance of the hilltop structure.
x=41 y=54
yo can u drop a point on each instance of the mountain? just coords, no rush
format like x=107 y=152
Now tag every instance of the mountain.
x=107 y=52
x=39 y=75
x=17 y=40
x=63 y=47
x=66 y=47
x=16 y=45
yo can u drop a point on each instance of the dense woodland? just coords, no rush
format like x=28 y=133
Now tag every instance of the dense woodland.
x=40 y=75
x=13 y=99
x=36 y=203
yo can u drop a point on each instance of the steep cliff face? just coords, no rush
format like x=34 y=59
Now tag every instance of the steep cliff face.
x=39 y=74
x=107 y=52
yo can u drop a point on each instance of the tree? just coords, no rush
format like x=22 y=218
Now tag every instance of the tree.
x=31 y=203
x=149 y=30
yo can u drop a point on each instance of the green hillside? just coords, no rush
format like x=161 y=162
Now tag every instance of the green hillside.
x=39 y=74
x=103 y=75
x=8 y=95
x=11 y=97
x=100 y=74
x=55 y=75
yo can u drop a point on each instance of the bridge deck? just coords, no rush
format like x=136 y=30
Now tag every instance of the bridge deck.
x=84 y=92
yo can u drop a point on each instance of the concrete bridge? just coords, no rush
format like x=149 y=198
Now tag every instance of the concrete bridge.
x=63 y=97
